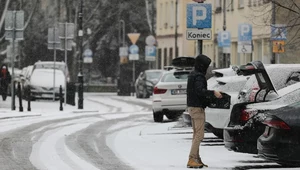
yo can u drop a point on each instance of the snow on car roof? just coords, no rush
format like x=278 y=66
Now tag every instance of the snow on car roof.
x=232 y=79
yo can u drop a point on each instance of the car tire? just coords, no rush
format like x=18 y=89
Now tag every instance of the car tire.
x=158 y=116
x=172 y=116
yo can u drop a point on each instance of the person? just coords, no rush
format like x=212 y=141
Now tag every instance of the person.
x=197 y=99
x=5 y=79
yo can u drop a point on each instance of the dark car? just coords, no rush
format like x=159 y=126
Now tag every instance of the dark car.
x=146 y=81
x=280 y=141
x=244 y=126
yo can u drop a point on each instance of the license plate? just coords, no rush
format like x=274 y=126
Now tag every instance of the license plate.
x=178 y=91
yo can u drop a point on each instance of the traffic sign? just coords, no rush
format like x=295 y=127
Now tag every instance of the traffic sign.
x=150 y=53
x=198 y=34
x=245 y=32
x=150 y=40
x=134 y=49
x=244 y=47
x=14 y=25
x=88 y=53
x=278 y=46
x=278 y=32
x=224 y=39
x=123 y=51
x=133 y=37
x=199 y=15
x=53 y=38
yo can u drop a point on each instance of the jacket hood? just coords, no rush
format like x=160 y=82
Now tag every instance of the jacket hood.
x=202 y=62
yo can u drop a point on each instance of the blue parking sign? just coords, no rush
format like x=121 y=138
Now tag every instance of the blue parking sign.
x=150 y=53
x=224 y=39
x=199 y=15
x=245 y=32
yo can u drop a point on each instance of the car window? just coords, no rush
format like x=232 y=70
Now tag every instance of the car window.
x=153 y=75
x=170 y=77
x=294 y=78
x=291 y=97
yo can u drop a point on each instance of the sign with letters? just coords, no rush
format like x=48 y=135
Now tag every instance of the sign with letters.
x=199 y=15
x=245 y=32
x=195 y=34
x=150 y=53
x=224 y=39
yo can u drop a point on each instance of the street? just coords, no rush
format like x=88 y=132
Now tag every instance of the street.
x=112 y=132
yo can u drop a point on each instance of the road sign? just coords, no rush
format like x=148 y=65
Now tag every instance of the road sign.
x=150 y=40
x=245 y=32
x=224 y=39
x=123 y=51
x=66 y=35
x=87 y=59
x=134 y=52
x=199 y=15
x=150 y=53
x=244 y=47
x=14 y=25
x=278 y=32
x=278 y=46
x=88 y=53
x=134 y=49
x=198 y=34
x=133 y=37
x=53 y=38
x=10 y=52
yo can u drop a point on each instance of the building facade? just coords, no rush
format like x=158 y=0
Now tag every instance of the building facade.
x=257 y=13
x=166 y=32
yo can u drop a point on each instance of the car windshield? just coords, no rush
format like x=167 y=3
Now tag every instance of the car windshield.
x=171 y=77
x=153 y=74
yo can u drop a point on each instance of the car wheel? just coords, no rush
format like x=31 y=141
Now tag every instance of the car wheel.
x=172 y=116
x=158 y=116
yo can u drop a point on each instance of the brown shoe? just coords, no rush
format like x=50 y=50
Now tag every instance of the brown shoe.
x=200 y=162
x=194 y=164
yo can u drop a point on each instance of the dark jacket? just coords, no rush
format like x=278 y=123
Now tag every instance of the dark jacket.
x=197 y=93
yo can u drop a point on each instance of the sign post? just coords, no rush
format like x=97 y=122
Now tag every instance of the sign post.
x=53 y=43
x=14 y=31
x=199 y=16
x=66 y=35
x=150 y=49
x=278 y=36
x=245 y=40
x=134 y=54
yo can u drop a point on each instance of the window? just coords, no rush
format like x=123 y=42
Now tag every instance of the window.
x=170 y=56
x=241 y=4
x=166 y=16
x=229 y=5
x=165 y=56
x=172 y=14
x=160 y=18
x=294 y=78
x=159 y=51
x=249 y=3
x=218 y=6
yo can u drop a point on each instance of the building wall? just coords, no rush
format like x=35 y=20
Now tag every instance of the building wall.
x=244 y=11
x=165 y=32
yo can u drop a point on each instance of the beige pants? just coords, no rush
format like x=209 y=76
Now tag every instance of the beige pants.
x=198 y=119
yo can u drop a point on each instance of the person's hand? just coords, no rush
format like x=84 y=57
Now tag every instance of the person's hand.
x=218 y=94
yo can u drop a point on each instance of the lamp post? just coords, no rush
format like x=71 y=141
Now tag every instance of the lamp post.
x=80 y=75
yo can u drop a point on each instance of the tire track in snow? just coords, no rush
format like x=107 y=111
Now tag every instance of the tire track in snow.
x=51 y=152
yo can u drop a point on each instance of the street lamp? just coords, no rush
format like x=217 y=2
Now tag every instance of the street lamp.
x=80 y=75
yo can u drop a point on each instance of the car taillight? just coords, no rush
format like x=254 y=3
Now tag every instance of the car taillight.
x=247 y=114
x=277 y=124
x=157 y=90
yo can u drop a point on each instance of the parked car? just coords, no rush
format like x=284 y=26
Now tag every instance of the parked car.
x=146 y=81
x=280 y=141
x=169 y=94
x=278 y=88
x=41 y=83
x=59 y=65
